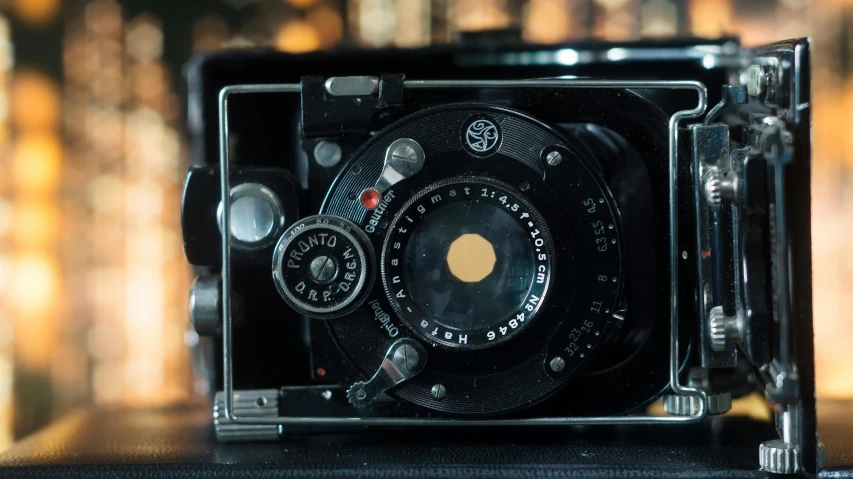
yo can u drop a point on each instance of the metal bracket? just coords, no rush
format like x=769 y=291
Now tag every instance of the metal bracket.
x=778 y=76
x=254 y=403
x=329 y=108
x=714 y=252
x=232 y=412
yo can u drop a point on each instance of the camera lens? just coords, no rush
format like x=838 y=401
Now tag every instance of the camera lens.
x=501 y=255
x=468 y=264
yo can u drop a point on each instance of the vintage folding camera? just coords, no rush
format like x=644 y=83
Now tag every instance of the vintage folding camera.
x=503 y=236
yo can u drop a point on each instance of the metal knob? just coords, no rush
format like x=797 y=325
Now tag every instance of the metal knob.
x=718 y=188
x=779 y=458
x=722 y=328
x=679 y=405
x=256 y=216
x=205 y=305
x=323 y=266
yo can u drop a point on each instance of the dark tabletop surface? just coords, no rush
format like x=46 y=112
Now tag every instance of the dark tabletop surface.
x=179 y=442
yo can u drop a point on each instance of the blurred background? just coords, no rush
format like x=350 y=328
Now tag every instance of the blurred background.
x=93 y=281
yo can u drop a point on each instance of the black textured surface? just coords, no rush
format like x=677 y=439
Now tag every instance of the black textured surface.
x=179 y=442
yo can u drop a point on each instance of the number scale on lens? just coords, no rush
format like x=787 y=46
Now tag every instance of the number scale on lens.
x=467 y=262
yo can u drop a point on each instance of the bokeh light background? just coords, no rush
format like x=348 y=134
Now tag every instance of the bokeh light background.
x=93 y=281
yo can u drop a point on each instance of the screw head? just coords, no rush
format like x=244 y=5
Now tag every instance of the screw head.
x=557 y=364
x=403 y=156
x=554 y=158
x=406 y=357
x=438 y=391
x=404 y=152
x=323 y=268
x=327 y=154
x=360 y=394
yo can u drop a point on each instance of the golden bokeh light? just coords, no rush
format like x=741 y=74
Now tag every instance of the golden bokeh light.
x=149 y=82
x=297 y=36
x=144 y=39
x=34 y=285
x=6 y=216
x=548 y=21
x=327 y=20
x=209 y=33
x=36 y=223
x=103 y=17
x=300 y=3
x=618 y=25
x=34 y=101
x=5 y=275
x=612 y=4
x=710 y=18
x=36 y=12
x=36 y=163
x=414 y=23
x=375 y=21
x=106 y=194
x=475 y=15
x=659 y=18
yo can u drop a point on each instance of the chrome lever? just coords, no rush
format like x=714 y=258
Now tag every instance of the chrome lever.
x=405 y=359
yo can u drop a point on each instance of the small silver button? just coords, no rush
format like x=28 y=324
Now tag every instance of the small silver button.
x=327 y=154
x=256 y=217
x=323 y=269
x=252 y=219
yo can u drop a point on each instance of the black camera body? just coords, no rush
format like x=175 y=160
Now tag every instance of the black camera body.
x=515 y=235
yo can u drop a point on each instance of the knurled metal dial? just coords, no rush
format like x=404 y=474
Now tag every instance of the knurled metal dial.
x=779 y=458
x=323 y=266
x=717 y=328
x=722 y=328
x=719 y=188
x=680 y=405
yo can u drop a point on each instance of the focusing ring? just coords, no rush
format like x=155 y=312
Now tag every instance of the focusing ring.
x=443 y=193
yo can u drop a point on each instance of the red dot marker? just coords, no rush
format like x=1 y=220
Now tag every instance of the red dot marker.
x=370 y=198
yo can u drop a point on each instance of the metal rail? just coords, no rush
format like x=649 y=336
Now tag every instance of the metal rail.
x=677 y=387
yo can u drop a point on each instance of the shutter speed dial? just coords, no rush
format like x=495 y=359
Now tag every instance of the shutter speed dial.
x=323 y=266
